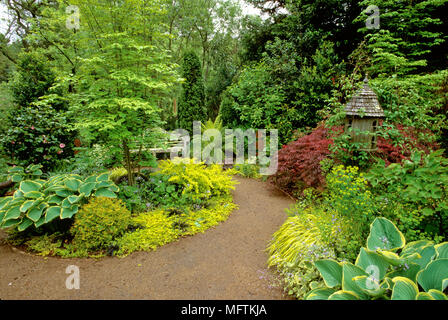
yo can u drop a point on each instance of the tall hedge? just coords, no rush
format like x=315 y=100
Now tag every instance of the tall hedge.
x=192 y=102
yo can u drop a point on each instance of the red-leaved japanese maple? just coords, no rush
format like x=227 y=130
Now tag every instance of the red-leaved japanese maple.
x=299 y=162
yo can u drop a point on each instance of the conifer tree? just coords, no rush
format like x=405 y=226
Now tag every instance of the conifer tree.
x=192 y=102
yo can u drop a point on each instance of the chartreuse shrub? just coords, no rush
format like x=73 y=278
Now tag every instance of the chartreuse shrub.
x=118 y=173
x=198 y=180
x=99 y=223
x=159 y=227
x=39 y=202
x=157 y=230
x=387 y=268
x=414 y=195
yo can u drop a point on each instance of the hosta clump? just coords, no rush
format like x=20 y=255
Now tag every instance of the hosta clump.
x=18 y=174
x=387 y=269
x=38 y=202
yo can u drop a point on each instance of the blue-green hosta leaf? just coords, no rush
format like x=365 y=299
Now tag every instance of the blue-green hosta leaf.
x=34 y=195
x=395 y=260
x=74 y=199
x=73 y=184
x=385 y=235
x=105 y=193
x=16 y=170
x=18 y=194
x=52 y=213
x=64 y=193
x=343 y=295
x=34 y=167
x=387 y=284
x=370 y=286
x=320 y=294
x=12 y=214
x=91 y=179
x=349 y=272
x=11 y=223
x=36 y=213
x=28 y=204
x=68 y=213
x=66 y=203
x=404 y=289
x=25 y=224
x=442 y=250
x=37 y=173
x=424 y=296
x=114 y=188
x=434 y=276
x=437 y=295
x=55 y=199
x=4 y=202
x=87 y=188
x=331 y=272
x=103 y=177
x=427 y=254
x=408 y=270
x=40 y=222
x=16 y=178
x=104 y=184
x=415 y=246
x=372 y=262
x=29 y=186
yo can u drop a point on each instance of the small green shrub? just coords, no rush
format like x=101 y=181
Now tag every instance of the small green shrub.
x=99 y=223
x=248 y=170
x=414 y=195
x=197 y=180
x=91 y=160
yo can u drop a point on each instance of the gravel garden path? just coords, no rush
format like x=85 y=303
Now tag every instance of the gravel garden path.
x=227 y=262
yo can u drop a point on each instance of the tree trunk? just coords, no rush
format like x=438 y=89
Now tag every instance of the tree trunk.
x=129 y=168
x=4 y=186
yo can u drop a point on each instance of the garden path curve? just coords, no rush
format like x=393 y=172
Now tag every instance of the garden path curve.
x=227 y=262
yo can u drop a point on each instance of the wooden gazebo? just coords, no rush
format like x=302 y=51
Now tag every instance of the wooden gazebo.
x=363 y=114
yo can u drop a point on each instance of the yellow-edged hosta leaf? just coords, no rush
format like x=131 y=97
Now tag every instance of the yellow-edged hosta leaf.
x=404 y=289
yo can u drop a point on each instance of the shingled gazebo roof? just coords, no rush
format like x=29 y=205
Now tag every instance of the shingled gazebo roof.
x=365 y=103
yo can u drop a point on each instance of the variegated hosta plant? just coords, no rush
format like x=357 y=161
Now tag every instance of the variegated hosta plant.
x=38 y=202
x=18 y=174
x=387 y=269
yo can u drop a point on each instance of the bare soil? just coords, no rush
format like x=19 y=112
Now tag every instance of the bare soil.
x=224 y=263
